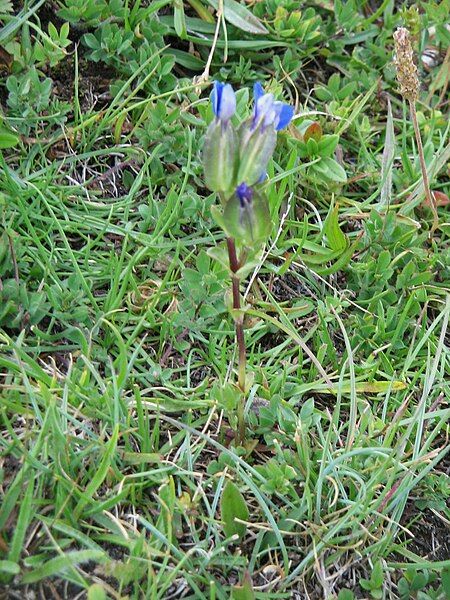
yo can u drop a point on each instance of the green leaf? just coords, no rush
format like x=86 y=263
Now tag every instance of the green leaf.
x=239 y=16
x=9 y=567
x=387 y=160
x=327 y=145
x=331 y=169
x=16 y=23
x=377 y=575
x=6 y=7
x=64 y=32
x=306 y=411
x=100 y=475
x=8 y=139
x=217 y=215
x=419 y=581
x=322 y=93
x=337 y=240
x=96 y=592
x=245 y=590
x=443 y=35
x=22 y=523
x=365 y=584
x=185 y=59
x=233 y=506
x=70 y=532
x=346 y=90
x=62 y=563
x=312 y=147
x=220 y=254
x=346 y=595
x=384 y=260
x=446 y=582
x=179 y=19
x=167 y=497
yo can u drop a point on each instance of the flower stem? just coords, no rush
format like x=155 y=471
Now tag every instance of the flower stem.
x=426 y=184
x=239 y=325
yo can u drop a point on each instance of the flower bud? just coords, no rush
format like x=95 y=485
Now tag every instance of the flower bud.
x=246 y=217
x=220 y=149
x=223 y=101
x=258 y=135
x=256 y=148
x=220 y=153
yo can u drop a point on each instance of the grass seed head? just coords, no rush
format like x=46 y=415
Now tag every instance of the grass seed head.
x=406 y=68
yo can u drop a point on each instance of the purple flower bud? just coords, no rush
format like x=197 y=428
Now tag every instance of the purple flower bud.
x=246 y=217
x=223 y=101
x=245 y=194
x=270 y=111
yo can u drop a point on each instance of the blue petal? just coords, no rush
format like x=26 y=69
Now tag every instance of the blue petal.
x=263 y=177
x=216 y=97
x=285 y=114
x=245 y=193
x=264 y=109
x=258 y=91
x=227 y=105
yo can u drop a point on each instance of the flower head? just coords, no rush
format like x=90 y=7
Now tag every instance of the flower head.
x=270 y=111
x=223 y=101
x=406 y=69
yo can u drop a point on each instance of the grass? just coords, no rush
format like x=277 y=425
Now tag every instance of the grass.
x=117 y=350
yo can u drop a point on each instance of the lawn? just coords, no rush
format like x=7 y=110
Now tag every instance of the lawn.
x=144 y=452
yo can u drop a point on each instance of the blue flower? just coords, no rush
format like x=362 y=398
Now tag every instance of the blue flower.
x=223 y=101
x=270 y=111
x=245 y=194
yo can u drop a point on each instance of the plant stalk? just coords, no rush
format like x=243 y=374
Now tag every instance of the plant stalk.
x=426 y=184
x=239 y=325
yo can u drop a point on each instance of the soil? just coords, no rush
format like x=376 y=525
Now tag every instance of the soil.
x=431 y=534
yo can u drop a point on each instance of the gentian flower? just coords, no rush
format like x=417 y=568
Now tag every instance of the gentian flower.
x=223 y=101
x=271 y=111
x=259 y=135
x=220 y=149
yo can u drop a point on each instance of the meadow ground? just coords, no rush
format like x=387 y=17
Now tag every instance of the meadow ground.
x=120 y=471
